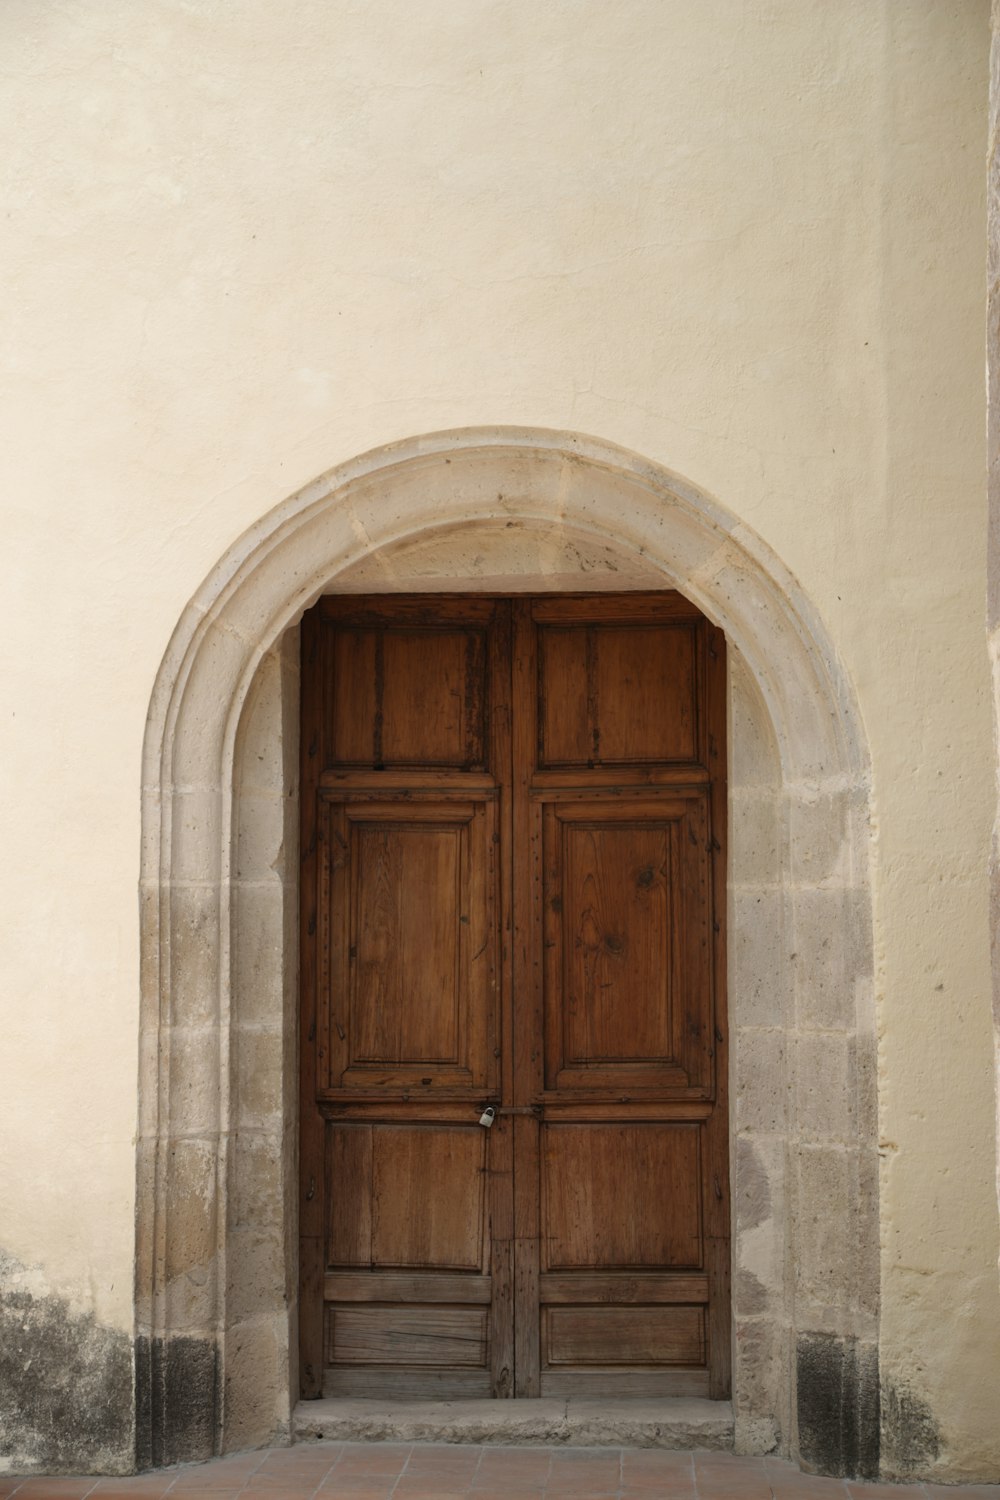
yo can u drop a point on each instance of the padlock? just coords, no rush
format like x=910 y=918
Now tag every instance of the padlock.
x=488 y=1115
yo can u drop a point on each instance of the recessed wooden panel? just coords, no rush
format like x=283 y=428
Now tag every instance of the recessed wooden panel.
x=621 y=1196
x=625 y=1336
x=407 y=1336
x=627 y=916
x=617 y=694
x=409 y=946
x=427 y=1196
x=408 y=697
x=408 y=1196
x=616 y=941
x=405 y=943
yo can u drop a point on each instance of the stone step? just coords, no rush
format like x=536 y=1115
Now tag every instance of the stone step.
x=663 y=1422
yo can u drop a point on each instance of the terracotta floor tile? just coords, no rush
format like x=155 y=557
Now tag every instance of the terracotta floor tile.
x=40 y=1487
x=509 y=1492
x=135 y=1484
x=301 y=1461
x=122 y=1489
x=430 y=1489
x=963 y=1491
x=665 y=1486
x=529 y=1465
x=369 y=1489
x=885 y=1491
x=795 y=1486
x=359 y=1485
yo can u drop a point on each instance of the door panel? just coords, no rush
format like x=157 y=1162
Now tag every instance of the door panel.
x=411 y=936
x=513 y=818
x=598 y=1209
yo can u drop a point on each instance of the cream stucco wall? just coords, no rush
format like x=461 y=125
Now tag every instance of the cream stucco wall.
x=744 y=239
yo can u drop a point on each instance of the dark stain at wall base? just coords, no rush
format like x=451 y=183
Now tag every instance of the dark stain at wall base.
x=65 y=1385
x=910 y=1441
x=838 y=1406
x=176 y=1400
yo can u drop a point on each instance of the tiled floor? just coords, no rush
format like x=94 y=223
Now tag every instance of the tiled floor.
x=428 y=1471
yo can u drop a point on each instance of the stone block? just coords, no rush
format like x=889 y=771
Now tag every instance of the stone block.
x=759 y=1225
x=761 y=1080
x=258 y=762
x=753 y=754
x=190 y=1300
x=190 y=1192
x=754 y=835
x=255 y=1274
x=258 y=1078
x=260 y=837
x=824 y=1087
x=194 y=743
x=759 y=987
x=191 y=1056
x=196 y=836
x=820 y=844
x=760 y=1367
x=193 y=971
x=825 y=1229
x=830 y=946
x=256 y=1384
x=257 y=1183
x=258 y=958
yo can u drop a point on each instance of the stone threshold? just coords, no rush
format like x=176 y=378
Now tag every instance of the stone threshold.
x=660 y=1422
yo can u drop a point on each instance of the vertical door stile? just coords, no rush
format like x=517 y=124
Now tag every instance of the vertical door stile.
x=717 y=1192
x=502 y=1352
x=527 y=1052
x=311 y=1164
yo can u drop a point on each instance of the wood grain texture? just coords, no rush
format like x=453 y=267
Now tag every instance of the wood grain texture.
x=617 y=695
x=448 y=1336
x=624 y=1336
x=428 y=1205
x=621 y=1195
x=406 y=1286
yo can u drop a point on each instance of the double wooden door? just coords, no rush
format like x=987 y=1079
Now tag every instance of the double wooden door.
x=513 y=1135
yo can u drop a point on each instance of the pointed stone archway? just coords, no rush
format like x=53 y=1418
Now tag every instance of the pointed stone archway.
x=500 y=510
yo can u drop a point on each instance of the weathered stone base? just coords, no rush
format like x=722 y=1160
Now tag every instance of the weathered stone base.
x=665 y=1422
x=176 y=1400
x=838 y=1406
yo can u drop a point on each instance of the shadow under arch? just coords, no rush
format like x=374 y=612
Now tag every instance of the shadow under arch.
x=215 y=1317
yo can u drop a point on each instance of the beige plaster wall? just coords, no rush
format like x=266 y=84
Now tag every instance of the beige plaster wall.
x=744 y=239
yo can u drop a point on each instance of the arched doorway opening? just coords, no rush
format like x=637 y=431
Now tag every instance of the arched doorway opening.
x=216 y=1231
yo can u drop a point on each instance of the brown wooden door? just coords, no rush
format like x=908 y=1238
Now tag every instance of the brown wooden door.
x=513 y=819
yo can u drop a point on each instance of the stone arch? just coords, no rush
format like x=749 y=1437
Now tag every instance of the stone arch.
x=514 y=509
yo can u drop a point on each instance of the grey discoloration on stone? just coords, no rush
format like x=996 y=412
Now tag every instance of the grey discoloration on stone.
x=177 y=1401
x=752 y=1184
x=65 y=1384
x=910 y=1440
x=838 y=1406
x=669 y=1422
